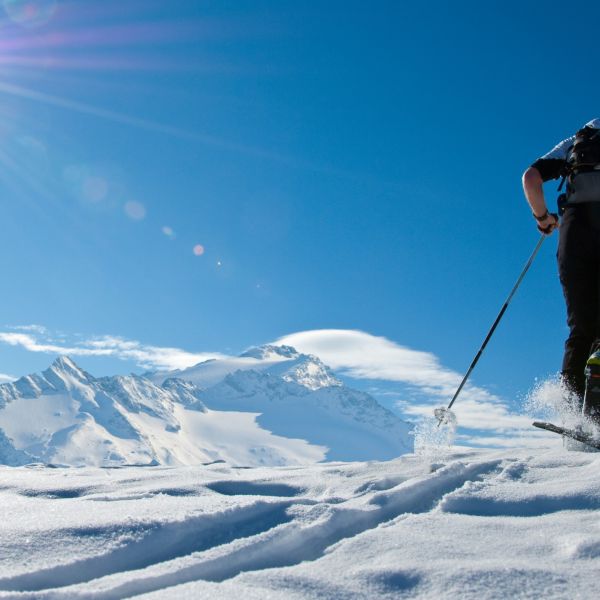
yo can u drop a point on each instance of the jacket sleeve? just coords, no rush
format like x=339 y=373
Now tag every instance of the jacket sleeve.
x=551 y=164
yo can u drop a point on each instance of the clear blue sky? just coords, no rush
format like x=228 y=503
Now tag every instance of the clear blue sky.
x=344 y=165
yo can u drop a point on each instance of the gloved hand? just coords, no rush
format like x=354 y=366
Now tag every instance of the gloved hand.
x=548 y=223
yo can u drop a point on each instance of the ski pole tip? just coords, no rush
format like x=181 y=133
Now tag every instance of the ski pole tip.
x=444 y=416
x=440 y=415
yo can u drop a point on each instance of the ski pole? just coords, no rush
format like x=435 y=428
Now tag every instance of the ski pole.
x=442 y=412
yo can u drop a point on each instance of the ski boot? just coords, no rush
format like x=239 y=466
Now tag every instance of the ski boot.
x=591 y=399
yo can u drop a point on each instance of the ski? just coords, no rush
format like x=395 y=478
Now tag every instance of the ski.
x=570 y=433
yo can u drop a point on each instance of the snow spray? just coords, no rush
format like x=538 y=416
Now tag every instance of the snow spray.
x=433 y=442
x=551 y=400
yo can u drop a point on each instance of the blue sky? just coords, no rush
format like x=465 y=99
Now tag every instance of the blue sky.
x=336 y=165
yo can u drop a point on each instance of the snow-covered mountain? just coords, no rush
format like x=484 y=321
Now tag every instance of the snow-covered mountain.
x=282 y=361
x=296 y=395
x=350 y=423
x=270 y=406
x=67 y=416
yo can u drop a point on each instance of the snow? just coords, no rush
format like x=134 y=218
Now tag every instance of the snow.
x=283 y=361
x=212 y=483
x=479 y=524
x=282 y=408
x=350 y=423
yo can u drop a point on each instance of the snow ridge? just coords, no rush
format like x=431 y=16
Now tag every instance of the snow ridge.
x=283 y=361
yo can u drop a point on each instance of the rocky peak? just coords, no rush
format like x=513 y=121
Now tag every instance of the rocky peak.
x=64 y=373
x=271 y=352
x=185 y=393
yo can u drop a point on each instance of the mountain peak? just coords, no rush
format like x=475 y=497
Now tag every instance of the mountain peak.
x=63 y=362
x=64 y=368
x=271 y=352
x=306 y=370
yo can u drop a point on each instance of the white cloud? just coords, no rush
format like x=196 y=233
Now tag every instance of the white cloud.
x=4 y=378
x=364 y=356
x=514 y=441
x=146 y=356
x=34 y=328
x=155 y=357
x=30 y=342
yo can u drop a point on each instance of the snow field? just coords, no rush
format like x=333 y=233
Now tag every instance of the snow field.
x=475 y=524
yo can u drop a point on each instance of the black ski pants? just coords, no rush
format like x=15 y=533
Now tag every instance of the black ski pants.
x=579 y=270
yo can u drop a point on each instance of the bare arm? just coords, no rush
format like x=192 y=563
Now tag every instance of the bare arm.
x=534 y=192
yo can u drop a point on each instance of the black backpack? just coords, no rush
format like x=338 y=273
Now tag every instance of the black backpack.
x=584 y=155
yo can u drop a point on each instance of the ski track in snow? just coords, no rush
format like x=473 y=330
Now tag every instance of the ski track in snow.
x=477 y=524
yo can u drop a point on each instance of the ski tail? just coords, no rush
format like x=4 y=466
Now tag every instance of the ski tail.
x=579 y=436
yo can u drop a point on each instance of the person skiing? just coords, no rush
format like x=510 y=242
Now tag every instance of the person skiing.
x=577 y=161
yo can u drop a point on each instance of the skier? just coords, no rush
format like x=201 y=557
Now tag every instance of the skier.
x=577 y=161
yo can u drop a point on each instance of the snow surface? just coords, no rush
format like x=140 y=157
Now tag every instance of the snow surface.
x=471 y=524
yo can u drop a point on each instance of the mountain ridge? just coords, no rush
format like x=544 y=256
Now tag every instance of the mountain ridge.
x=288 y=408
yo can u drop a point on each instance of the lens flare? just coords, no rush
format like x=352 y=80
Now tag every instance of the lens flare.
x=89 y=184
x=94 y=189
x=135 y=210
x=30 y=13
x=46 y=46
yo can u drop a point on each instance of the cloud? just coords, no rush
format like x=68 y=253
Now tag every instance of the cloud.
x=6 y=378
x=154 y=357
x=35 y=328
x=366 y=356
x=30 y=342
x=529 y=439
x=361 y=355
x=146 y=356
